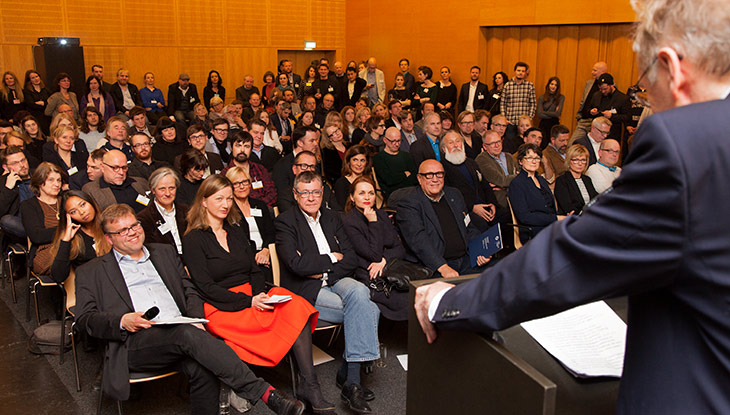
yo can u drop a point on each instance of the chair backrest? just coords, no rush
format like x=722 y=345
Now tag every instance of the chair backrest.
x=275 y=270
x=518 y=242
x=379 y=200
x=70 y=287
x=276 y=211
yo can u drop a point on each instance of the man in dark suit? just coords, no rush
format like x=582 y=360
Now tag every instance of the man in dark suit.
x=317 y=262
x=125 y=94
x=303 y=139
x=353 y=87
x=306 y=161
x=181 y=99
x=394 y=108
x=98 y=71
x=295 y=80
x=435 y=226
x=408 y=133
x=600 y=129
x=427 y=148
x=264 y=155
x=14 y=188
x=655 y=237
x=474 y=94
x=284 y=125
x=113 y=293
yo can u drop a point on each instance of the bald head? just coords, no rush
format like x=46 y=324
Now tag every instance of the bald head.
x=608 y=152
x=372 y=64
x=599 y=68
x=428 y=178
x=392 y=140
x=114 y=167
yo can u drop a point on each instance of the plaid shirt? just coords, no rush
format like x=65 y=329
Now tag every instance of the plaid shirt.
x=518 y=100
x=259 y=173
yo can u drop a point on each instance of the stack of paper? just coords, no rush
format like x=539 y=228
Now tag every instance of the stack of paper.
x=278 y=299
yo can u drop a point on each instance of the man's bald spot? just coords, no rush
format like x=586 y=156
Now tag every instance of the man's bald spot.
x=392 y=133
x=113 y=157
x=372 y=61
x=430 y=166
x=610 y=142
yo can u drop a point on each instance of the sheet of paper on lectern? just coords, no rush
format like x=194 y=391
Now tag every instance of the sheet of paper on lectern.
x=588 y=340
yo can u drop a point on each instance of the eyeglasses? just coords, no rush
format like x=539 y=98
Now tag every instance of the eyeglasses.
x=307 y=193
x=18 y=162
x=139 y=145
x=241 y=184
x=578 y=160
x=499 y=125
x=305 y=166
x=636 y=92
x=117 y=169
x=493 y=143
x=197 y=137
x=125 y=231
x=430 y=175
x=602 y=132
x=533 y=158
x=334 y=133
x=466 y=122
x=221 y=130
x=610 y=151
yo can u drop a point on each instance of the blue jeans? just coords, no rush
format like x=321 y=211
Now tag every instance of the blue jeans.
x=348 y=302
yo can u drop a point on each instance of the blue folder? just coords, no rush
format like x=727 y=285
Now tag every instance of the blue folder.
x=486 y=244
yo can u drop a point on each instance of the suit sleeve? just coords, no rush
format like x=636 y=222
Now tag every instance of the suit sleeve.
x=411 y=221
x=292 y=255
x=99 y=324
x=347 y=265
x=628 y=242
x=492 y=172
x=366 y=238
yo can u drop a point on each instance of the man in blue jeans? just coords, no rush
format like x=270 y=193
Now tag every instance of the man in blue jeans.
x=318 y=262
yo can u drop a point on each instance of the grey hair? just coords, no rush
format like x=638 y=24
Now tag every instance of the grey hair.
x=442 y=142
x=160 y=174
x=307 y=177
x=697 y=29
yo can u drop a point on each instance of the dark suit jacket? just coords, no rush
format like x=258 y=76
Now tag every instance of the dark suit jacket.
x=471 y=193
x=299 y=256
x=356 y=94
x=277 y=124
x=283 y=175
x=421 y=150
x=372 y=241
x=116 y=93
x=420 y=228
x=215 y=162
x=404 y=144
x=151 y=220
x=481 y=96
x=656 y=237
x=175 y=97
x=102 y=298
x=265 y=223
x=568 y=194
x=585 y=142
x=9 y=198
x=268 y=159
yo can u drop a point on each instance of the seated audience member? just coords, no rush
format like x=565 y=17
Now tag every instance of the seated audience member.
x=262 y=186
x=201 y=118
x=554 y=153
x=91 y=129
x=218 y=254
x=529 y=193
x=14 y=189
x=303 y=139
x=139 y=122
x=408 y=133
x=30 y=126
x=62 y=95
x=497 y=167
x=193 y=165
x=232 y=114
x=357 y=163
x=306 y=119
x=125 y=94
x=92 y=172
x=167 y=143
x=472 y=139
x=243 y=92
x=197 y=138
x=95 y=96
x=218 y=141
x=271 y=136
x=114 y=186
x=462 y=173
x=426 y=109
x=481 y=124
x=376 y=243
x=267 y=91
x=362 y=116
x=447 y=122
x=214 y=88
x=181 y=98
x=215 y=108
x=254 y=104
x=434 y=225
x=318 y=262
x=153 y=101
x=347 y=114
x=165 y=219
x=380 y=110
x=327 y=106
x=290 y=97
x=15 y=138
x=63 y=154
x=143 y=164
x=394 y=168
x=605 y=171
x=373 y=140
x=78 y=238
x=533 y=135
x=260 y=152
x=427 y=148
x=333 y=148
x=600 y=128
x=306 y=161
x=40 y=214
x=116 y=137
x=102 y=305
x=256 y=214
x=573 y=189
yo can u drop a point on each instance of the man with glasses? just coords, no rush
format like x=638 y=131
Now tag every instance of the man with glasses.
x=605 y=171
x=143 y=164
x=14 y=188
x=262 y=186
x=427 y=148
x=612 y=104
x=497 y=167
x=318 y=263
x=306 y=161
x=116 y=137
x=303 y=139
x=218 y=140
x=394 y=167
x=600 y=129
x=114 y=186
x=435 y=226
x=197 y=138
x=113 y=293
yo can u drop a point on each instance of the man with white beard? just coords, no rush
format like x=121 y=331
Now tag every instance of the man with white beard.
x=463 y=174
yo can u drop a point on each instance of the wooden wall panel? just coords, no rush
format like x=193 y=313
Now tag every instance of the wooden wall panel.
x=97 y=22
x=23 y=24
x=247 y=28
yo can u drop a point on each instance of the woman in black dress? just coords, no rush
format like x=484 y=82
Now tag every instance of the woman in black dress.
x=36 y=96
x=167 y=143
x=400 y=93
x=573 y=189
x=192 y=165
x=446 y=98
x=11 y=96
x=333 y=148
x=213 y=88
x=495 y=94
x=361 y=118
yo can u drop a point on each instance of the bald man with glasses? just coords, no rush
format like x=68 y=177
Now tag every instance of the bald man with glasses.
x=114 y=186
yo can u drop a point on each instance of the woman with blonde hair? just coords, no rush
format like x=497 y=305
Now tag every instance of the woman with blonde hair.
x=11 y=96
x=260 y=329
x=65 y=154
x=333 y=147
x=361 y=117
x=574 y=188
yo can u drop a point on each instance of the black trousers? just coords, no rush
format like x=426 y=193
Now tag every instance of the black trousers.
x=205 y=359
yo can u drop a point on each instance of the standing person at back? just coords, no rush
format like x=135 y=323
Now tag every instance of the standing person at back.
x=518 y=98
x=583 y=115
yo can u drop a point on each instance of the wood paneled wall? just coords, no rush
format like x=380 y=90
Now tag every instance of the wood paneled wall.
x=172 y=36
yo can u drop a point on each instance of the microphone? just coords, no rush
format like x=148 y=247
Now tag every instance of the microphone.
x=151 y=313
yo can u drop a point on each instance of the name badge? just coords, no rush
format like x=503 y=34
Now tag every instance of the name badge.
x=217 y=172
x=296 y=86
x=480 y=96
x=164 y=228
x=467 y=220
x=613 y=110
x=256 y=212
x=73 y=170
x=192 y=99
x=330 y=89
x=16 y=101
x=425 y=90
x=309 y=84
x=495 y=96
x=153 y=101
x=142 y=200
x=258 y=184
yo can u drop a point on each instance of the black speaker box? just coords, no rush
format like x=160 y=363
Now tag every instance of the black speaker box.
x=52 y=59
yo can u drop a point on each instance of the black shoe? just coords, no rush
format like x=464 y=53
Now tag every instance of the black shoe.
x=367 y=394
x=352 y=394
x=284 y=405
x=311 y=394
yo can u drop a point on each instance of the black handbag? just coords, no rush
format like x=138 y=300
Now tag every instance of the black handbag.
x=398 y=274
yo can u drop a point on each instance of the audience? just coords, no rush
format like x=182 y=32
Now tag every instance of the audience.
x=427 y=147
x=193 y=165
x=39 y=214
x=168 y=144
x=600 y=129
x=125 y=94
x=583 y=113
x=62 y=95
x=394 y=168
x=518 y=98
x=497 y=167
x=261 y=153
x=409 y=134
x=143 y=164
x=333 y=148
x=554 y=153
x=91 y=128
x=446 y=97
x=218 y=141
x=612 y=104
x=14 y=189
x=605 y=171
x=95 y=96
x=153 y=101
x=114 y=186
x=426 y=91
x=471 y=138
x=67 y=153
x=306 y=161
x=11 y=96
x=574 y=189
x=92 y=172
x=116 y=138
x=262 y=185
x=303 y=139
x=165 y=220
x=36 y=98
x=139 y=122
x=474 y=94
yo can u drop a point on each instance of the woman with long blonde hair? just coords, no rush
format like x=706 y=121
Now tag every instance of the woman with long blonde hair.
x=11 y=96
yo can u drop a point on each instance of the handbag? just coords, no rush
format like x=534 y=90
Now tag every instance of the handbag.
x=398 y=274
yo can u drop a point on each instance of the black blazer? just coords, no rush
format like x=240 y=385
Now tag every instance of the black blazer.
x=215 y=162
x=9 y=198
x=116 y=93
x=299 y=256
x=151 y=219
x=277 y=124
x=421 y=150
x=372 y=241
x=283 y=175
x=331 y=164
x=480 y=191
x=102 y=298
x=175 y=97
x=568 y=195
x=208 y=94
x=356 y=93
x=33 y=220
x=480 y=97
x=532 y=206
x=264 y=222
x=269 y=158
x=78 y=157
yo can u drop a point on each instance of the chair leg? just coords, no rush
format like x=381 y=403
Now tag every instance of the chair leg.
x=76 y=362
x=12 y=280
x=62 y=344
x=119 y=408
x=293 y=375
x=28 y=292
x=34 y=291
x=101 y=399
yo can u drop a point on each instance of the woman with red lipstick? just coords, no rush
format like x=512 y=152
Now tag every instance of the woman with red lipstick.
x=376 y=243
x=79 y=237
x=218 y=254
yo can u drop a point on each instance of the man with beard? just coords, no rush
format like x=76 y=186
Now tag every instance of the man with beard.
x=262 y=187
x=143 y=165
x=14 y=188
x=554 y=153
x=473 y=94
x=394 y=167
